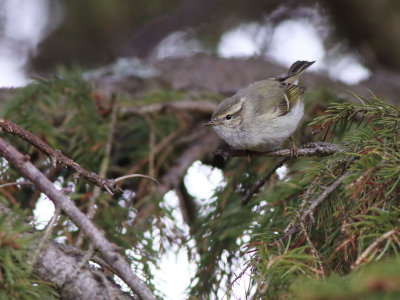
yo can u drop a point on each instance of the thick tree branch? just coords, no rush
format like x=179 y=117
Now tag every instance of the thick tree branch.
x=57 y=263
x=107 y=249
x=311 y=149
x=57 y=157
x=59 y=266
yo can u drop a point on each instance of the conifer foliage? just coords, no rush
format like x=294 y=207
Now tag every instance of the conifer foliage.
x=315 y=232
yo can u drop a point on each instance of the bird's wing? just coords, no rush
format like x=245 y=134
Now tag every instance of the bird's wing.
x=270 y=97
x=295 y=71
x=291 y=94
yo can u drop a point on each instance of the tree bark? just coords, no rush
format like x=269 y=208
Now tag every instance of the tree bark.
x=58 y=263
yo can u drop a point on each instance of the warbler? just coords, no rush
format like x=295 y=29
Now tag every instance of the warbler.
x=261 y=116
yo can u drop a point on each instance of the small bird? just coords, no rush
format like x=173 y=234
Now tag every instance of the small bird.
x=261 y=116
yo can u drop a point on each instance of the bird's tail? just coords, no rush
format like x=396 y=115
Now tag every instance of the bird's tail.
x=295 y=71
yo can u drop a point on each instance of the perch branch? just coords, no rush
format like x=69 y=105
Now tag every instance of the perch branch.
x=56 y=156
x=105 y=247
x=311 y=149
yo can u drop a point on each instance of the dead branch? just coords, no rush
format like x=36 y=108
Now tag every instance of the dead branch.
x=258 y=185
x=164 y=143
x=311 y=149
x=57 y=157
x=96 y=236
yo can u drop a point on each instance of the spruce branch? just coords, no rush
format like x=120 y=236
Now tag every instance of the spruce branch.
x=57 y=157
x=348 y=112
x=308 y=214
x=308 y=150
x=160 y=147
x=105 y=247
x=314 y=251
x=363 y=256
x=103 y=170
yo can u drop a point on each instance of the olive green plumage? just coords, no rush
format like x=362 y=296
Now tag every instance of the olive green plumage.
x=262 y=115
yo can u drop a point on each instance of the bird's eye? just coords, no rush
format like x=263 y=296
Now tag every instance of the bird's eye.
x=228 y=117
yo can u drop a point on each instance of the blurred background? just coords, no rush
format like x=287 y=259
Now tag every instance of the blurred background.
x=129 y=47
x=349 y=40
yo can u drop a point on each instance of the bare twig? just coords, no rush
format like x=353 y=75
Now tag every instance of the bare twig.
x=45 y=237
x=308 y=213
x=15 y=183
x=166 y=142
x=311 y=149
x=96 y=236
x=371 y=247
x=103 y=171
x=314 y=251
x=258 y=185
x=122 y=178
x=56 y=156
x=240 y=275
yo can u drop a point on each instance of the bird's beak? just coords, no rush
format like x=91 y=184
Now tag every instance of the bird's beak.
x=211 y=123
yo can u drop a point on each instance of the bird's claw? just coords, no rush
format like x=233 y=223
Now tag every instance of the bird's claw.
x=293 y=149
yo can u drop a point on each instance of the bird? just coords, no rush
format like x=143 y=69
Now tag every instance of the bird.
x=261 y=116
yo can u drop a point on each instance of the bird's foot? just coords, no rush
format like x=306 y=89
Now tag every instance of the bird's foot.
x=250 y=155
x=293 y=149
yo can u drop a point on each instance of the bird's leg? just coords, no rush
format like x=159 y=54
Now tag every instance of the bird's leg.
x=250 y=155
x=293 y=148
